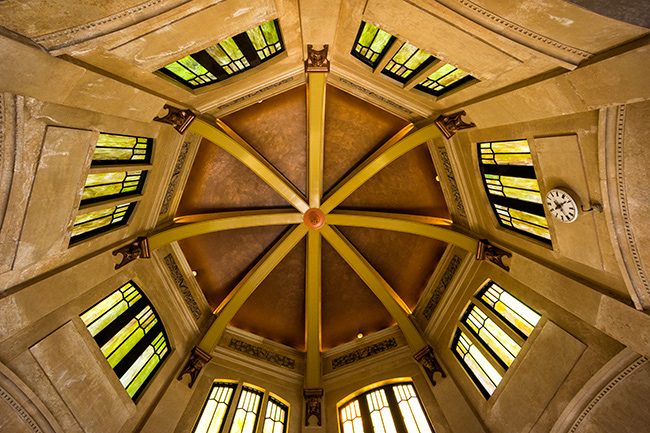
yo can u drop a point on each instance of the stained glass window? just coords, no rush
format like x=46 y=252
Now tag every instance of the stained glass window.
x=513 y=191
x=215 y=408
x=406 y=61
x=490 y=331
x=371 y=44
x=130 y=335
x=247 y=412
x=100 y=221
x=444 y=79
x=393 y=408
x=228 y=57
x=106 y=186
x=122 y=149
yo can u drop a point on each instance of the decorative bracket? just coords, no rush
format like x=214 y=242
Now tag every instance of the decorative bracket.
x=429 y=362
x=317 y=60
x=451 y=124
x=136 y=250
x=313 y=404
x=489 y=252
x=179 y=119
x=198 y=359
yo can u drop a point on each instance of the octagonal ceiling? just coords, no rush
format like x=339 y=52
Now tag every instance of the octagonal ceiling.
x=278 y=130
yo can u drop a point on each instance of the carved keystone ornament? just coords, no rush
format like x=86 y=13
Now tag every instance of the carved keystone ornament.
x=179 y=119
x=198 y=359
x=489 y=252
x=453 y=123
x=317 y=60
x=312 y=404
x=136 y=250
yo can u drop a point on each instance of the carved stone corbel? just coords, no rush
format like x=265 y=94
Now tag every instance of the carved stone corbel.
x=313 y=404
x=179 y=119
x=451 y=124
x=489 y=252
x=317 y=60
x=429 y=362
x=136 y=250
x=198 y=359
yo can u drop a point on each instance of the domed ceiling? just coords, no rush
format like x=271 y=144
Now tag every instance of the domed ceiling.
x=277 y=128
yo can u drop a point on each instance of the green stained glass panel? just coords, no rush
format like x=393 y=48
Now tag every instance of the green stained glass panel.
x=215 y=409
x=519 y=315
x=371 y=42
x=121 y=149
x=492 y=335
x=446 y=69
x=183 y=72
x=452 y=77
x=146 y=363
x=407 y=59
x=514 y=152
x=107 y=185
x=481 y=368
x=514 y=187
x=270 y=32
x=96 y=220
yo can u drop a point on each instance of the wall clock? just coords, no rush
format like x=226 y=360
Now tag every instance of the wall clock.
x=561 y=203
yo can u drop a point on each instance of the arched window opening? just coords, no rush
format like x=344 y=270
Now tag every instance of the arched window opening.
x=218 y=410
x=407 y=62
x=131 y=336
x=512 y=189
x=490 y=335
x=390 y=408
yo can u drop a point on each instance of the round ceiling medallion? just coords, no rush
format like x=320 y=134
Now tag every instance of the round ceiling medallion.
x=314 y=218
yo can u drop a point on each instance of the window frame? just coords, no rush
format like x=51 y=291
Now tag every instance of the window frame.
x=516 y=171
x=238 y=387
x=481 y=345
x=157 y=329
x=203 y=58
x=407 y=82
x=396 y=414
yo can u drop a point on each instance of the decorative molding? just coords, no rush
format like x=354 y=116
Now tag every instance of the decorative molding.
x=252 y=94
x=428 y=360
x=442 y=286
x=487 y=251
x=363 y=353
x=22 y=413
x=2 y=127
x=611 y=385
x=173 y=182
x=524 y=31
x=263 y=354
x=179 y=119
x=446 y=163
x=125 y=15
x=182 y=286
x=451 y=124
x=375 y=95
x=622 y=200
x=198 y=359
x=313 y=399
x=317 y=59
x=139 y=249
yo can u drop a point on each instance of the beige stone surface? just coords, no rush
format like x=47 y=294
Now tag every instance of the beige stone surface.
x=77 y=375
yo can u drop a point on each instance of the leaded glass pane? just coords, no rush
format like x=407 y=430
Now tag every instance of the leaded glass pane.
x=98 y=221
x=371 y=43
x=511 y=309
x=514 y=187
x=444 y=78
x=382 y=420
x=215 y=409
x=407 y=60
x=105 y=186
x=499 y=343
x=191 y=71
x=514 y=152
x=229 y=56
x=113 y=148
x=351 y=418
x=276 y=417
x=248 y=407
x=409 y=405
x=485 y=375
x=129 y=334
x=524 y=221
x=265 y=39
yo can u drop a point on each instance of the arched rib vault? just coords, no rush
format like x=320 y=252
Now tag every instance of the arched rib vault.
x=194 y=225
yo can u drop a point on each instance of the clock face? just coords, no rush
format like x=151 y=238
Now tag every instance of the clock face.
x=562 y=206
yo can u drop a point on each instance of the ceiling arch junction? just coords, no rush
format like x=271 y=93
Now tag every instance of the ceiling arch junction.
x=328 y=219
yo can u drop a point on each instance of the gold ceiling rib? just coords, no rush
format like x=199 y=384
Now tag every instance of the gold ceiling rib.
x=209 y=223
x=435 y=228
x=224 y=137
x=315 y=137
x=382 y=290
x=313 y=379
x=245 y=288
x=389 y=152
